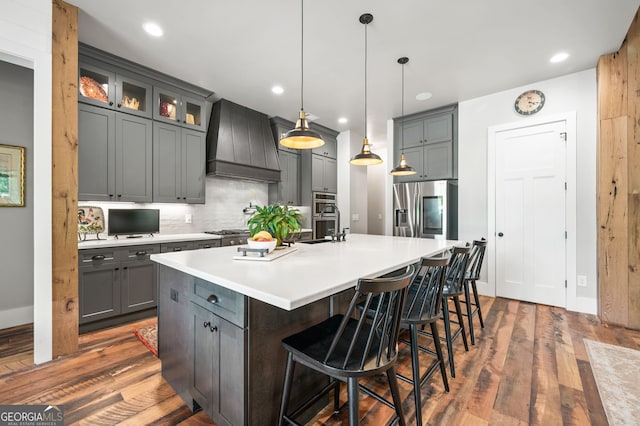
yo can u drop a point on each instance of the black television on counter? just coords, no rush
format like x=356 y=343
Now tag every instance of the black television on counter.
x=133 y=222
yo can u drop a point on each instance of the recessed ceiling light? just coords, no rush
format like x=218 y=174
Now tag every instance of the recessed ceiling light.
x=278 y=90
x=342 y=120
x=559 y=57
x=424 y=96
x=153 y=29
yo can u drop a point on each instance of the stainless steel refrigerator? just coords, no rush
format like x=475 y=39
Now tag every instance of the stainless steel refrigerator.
x=426 y=209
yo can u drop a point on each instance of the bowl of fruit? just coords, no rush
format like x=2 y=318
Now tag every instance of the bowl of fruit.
x=262 y=240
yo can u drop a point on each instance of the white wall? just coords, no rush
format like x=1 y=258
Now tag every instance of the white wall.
x=358 y=188
x=376 y=192
x=25 y=39
x=574 y=92
x=344 y=179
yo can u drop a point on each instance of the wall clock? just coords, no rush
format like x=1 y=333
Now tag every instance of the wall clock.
x=529 y=102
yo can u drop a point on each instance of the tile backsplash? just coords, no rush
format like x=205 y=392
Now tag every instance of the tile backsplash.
x=225 y=201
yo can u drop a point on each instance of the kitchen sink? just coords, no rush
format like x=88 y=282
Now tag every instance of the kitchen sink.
x=315 y=241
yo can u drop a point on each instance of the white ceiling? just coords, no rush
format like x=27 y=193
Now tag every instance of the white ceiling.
x=457 y=50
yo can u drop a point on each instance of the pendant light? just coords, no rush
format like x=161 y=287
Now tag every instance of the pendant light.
x=302 y=137
x=365 y=157
x=402 y=169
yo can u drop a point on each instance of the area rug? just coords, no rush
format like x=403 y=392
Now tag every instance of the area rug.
x=149 y=337
x=617 y=373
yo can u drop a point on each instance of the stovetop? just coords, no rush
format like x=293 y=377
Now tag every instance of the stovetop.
x=227 y=232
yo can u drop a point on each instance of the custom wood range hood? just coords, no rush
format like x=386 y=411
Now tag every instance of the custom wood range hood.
x=240 y=144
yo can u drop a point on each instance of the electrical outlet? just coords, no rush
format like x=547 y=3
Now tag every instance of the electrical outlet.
x=582 y=281
x=188 y=218
x=173 y=295
x=380 y=216
x=355 y=216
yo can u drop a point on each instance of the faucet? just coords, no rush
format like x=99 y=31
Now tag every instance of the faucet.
x=337 y=234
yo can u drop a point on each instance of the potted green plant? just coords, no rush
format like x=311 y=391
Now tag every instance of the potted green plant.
x=280 y=221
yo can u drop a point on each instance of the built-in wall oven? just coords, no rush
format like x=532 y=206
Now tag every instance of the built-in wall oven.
x=324 y=214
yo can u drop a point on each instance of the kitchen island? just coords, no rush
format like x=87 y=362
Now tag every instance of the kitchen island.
x=221 y=319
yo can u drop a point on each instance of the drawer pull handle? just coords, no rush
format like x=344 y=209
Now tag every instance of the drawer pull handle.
x=213 y=328
x=98 y=257
x=141 y=253
x=212 y=299
x=177 y=249
x=206 y=324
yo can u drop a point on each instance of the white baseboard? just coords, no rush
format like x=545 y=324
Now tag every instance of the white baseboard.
x=585 y=305
x=485 y=289
x=17 y=316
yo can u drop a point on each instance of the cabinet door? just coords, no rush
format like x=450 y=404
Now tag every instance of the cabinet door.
x=96 y=153
x=96 y=86
x=138 y=280
x=166 y=105
x=166 y=163
x=194 y=116
x=233 y=370
x=415 y=158
x=331 y=175
x=413 y=133
x=98 y=292
x=205 y=348
x=329 y=149
x=438 y=128
x=438 y=162
x=133 y=163
x=133 y=96
x=289 y=188
x=193 y=154
x=279 y=128
x=317 y=173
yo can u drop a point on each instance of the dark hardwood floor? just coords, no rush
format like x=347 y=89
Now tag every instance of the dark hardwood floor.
x=529 y=366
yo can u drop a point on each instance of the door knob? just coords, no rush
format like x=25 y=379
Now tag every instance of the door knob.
x=500 y=234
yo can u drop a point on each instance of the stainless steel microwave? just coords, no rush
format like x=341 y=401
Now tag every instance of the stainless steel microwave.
x=324 y=203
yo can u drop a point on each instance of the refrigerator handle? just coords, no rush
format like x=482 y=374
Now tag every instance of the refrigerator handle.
x=418 y=222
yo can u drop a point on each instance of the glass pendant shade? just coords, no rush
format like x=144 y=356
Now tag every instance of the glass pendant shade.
x=301 y=137
x=365 y=157
x=403 y=169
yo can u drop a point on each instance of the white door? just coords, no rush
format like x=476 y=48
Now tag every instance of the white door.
x=530 y=213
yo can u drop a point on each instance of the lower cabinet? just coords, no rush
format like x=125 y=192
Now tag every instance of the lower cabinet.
x=119 y=284
x=216 y=377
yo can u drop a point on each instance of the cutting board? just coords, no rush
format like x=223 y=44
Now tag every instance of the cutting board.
x=267 y=257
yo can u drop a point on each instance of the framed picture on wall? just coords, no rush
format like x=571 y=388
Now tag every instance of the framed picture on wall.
x=11 y=176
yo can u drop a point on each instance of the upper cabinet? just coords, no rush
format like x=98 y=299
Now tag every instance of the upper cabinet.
x=124 y=146
x=172 y=106
x=114 y=89
x=430 y=144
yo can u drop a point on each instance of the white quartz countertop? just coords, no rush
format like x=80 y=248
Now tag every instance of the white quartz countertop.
x=157 y=239
x=311 y=273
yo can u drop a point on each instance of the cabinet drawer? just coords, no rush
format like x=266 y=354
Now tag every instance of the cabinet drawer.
x=179 y=246
x=137 y=252
x=205 y=244
x=97 y=256
x=221 y=301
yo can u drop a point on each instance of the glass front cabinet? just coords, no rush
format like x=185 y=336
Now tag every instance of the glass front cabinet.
x=173 y=107
x=114 y=90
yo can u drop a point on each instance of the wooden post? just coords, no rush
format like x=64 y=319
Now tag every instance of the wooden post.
x=64 y=178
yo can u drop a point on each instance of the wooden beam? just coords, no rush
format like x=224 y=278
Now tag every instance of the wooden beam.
x=633 y=172
x=64 y=178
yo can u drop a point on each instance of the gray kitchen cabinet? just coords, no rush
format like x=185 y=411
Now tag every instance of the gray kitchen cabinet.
x=216 y=377
x=324 y=174
x=430 y=144
x=206 y=244
x=133 y=166
x=287 y=191
x=96 y=153
x=329 y=149
x=176 y=246
x=114 y=156
x=114 y=89
x=178 y=164
x=279 y=127
x=116 y=281
x=173 y=106
x=98 y=288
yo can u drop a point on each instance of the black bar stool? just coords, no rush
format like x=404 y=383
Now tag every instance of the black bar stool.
x=453 y=288
x=346 y=348
x=473 y=274
x=424 y=306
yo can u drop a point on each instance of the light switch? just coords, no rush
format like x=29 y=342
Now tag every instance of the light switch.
x=582 y=281
x=188 y=218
